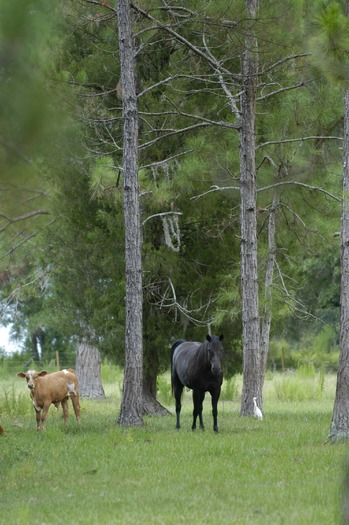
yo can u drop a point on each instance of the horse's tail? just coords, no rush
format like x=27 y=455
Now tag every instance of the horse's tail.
x=174 y=346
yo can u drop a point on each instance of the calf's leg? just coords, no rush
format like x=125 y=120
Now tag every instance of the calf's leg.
x=38 y=417
x=65 y=409
x=76 y=406
x=44 y=414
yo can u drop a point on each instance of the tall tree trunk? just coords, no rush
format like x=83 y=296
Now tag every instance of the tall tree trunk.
x=88 y=371
x=132 y=394
x=268 y=293
x=249 y=275
x=34 y=345
x=340 y=419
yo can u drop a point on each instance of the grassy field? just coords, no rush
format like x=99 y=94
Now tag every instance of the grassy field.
x=253 y=472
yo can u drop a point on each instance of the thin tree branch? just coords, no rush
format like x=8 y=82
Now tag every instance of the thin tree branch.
x=282 y=61
x=171 y=132
x=213 y=189
x=162 y=214
x=282 y=90
x=299 y=139
x=172 y=302
x=301 y=184
x=20 y=218
x=14 y=248
x=206 y=79
x=165 y=161
x=214 y=63
x=102 y=3
x=295 y=304
x=271 y=186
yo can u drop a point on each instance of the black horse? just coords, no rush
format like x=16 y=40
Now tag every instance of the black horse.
x=197 y=366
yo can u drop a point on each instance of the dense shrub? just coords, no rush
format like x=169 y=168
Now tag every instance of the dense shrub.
x=305 y=384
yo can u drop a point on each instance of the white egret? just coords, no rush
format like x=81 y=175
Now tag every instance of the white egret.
x=256 y=410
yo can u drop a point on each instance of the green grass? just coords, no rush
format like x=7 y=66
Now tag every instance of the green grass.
x=253 y=472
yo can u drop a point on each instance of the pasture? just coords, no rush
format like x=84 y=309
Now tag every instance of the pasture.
x=252 y=472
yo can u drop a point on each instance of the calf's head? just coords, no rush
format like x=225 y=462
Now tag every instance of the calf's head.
x=31 y=376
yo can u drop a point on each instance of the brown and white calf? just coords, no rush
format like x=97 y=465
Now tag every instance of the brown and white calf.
x=54 y=388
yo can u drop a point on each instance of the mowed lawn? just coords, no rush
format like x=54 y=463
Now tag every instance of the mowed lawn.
x=252 y=472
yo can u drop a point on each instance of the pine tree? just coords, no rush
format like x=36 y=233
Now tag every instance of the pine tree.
x=339 y=429
x=132 y=402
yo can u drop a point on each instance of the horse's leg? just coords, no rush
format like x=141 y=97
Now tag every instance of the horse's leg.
x=200 y=412
x=198 y=398
x=215 y=397
x=177 y=390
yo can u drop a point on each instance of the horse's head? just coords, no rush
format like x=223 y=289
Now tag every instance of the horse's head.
x=215 y=353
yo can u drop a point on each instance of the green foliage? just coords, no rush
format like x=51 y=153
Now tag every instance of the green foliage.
x=230 y=389
x=330 y=48
x=79 y=258
x=102 y=178
x=24 y=101
x=315 y=350
x=305 y=384
x=164 y=391
x=110 y=373
x=280 y=355
x=320 y=350
x=15 y=404
x=30 y=130
x=319 y=277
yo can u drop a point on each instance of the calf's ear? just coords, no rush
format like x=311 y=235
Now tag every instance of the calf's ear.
x=20 y=374
x=42 y=373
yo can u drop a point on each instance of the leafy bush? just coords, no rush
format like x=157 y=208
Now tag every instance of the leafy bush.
x=303 y=385
x=280 y=355
x=319 y=350
x=111 y=373
x=230 y=389
x=318 y=359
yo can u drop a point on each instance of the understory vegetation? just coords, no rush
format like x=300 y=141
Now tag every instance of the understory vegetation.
x=253 y=472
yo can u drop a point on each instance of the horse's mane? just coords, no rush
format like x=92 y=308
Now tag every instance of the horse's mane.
x=202 y=353
x=202 y=358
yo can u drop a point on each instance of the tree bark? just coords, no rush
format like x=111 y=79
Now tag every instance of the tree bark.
x=339 y=429
x=248 y=197
x=152 y=406
x=150 y=403
x=268 y=293
x=131 y=413
x=34 y=345
x=88 y=371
